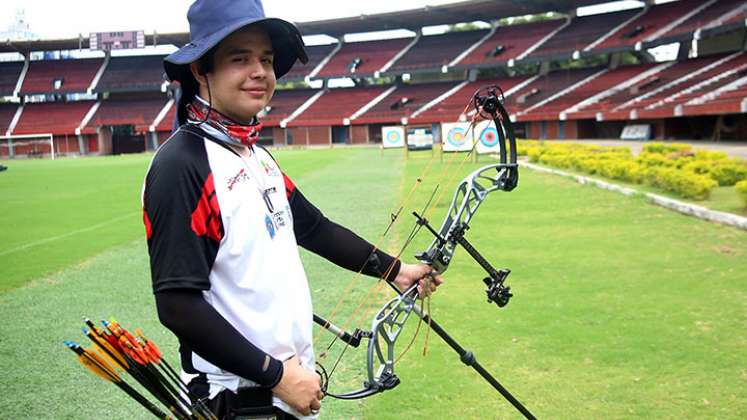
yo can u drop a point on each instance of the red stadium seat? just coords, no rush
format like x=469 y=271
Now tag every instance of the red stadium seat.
x=73 y=75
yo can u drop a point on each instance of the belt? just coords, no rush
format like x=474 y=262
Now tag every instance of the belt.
x=247 y=404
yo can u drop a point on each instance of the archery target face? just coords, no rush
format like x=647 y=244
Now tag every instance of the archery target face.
x=457 y=137
x=393 y=136
x=488 y=138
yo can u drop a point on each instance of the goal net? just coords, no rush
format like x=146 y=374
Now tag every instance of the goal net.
x=27 y=146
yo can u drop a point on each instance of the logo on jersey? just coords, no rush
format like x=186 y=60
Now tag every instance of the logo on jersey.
x=270 y=170
x=239 y=177
x=270 y=227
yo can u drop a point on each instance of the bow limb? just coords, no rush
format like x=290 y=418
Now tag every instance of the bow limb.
x=386 y=327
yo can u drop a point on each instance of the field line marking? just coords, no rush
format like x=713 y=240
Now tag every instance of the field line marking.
x=65 y=235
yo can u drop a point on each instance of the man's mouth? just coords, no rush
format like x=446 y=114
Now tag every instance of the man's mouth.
x=259 y=92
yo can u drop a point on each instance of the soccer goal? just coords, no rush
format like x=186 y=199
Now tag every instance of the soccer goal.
x=27 y=146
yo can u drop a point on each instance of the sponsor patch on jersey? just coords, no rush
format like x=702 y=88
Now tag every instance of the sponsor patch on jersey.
x=269 y=169
x=270 y=227
x=241 y=176
x=279 y=219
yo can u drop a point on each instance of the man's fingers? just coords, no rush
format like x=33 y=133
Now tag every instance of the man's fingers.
x=316 y=405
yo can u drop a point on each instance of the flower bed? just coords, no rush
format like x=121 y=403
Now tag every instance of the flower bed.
x=670 y=167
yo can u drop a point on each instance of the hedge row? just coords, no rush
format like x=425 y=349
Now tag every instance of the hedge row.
x=671 y=167
x=741 y=188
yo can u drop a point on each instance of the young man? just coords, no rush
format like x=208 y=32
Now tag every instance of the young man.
x=224 y=223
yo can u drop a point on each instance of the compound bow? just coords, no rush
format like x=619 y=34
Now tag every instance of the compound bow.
x=389 y=321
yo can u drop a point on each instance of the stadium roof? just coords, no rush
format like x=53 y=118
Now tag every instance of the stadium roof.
x=464 y=11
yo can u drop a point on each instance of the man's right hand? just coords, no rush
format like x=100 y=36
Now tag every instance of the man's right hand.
x=298 y=387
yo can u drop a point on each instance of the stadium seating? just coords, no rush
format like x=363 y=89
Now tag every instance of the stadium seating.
x=405 y=100
x=7 y=111
x=618 y=105
x=316 y=55
x=701 y=83
x=581 y=32
x=730 y=98
x=657 y=17
x=514 y=40
x=72 y=75
x=167 y=123
x=130 y=90
x=544 y=87
x=451 y=108
x=9 y=73
x=736 y=18
x=373 y=55
x=59 y=118
x=336 y=104
x=435 y=51
x=137 y=112
x=137 y=73
x=551 y=110
x=707 y=16
x=283 y=103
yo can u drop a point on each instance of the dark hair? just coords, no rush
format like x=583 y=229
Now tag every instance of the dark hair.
x=206 y=63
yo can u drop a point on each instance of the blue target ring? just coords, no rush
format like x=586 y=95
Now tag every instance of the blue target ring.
x=393 y=137
x=456 y=137
x=489 y=137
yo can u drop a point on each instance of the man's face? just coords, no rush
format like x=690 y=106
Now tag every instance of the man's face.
x=242 y=80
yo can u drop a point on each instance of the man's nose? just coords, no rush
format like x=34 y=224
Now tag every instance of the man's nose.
x=257 y=69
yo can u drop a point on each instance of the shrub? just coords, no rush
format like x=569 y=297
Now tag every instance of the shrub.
x=662 y=148
x=741 y=189
x=725 y=172
x=655 y=160
x=686 y=184
x=729 y=172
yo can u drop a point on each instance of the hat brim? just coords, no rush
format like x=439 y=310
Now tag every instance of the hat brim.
x=287 y=45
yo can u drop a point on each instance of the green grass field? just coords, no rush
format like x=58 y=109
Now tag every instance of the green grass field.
x=621 y=309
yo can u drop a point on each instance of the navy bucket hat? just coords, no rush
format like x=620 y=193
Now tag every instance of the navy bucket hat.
x=211 y=21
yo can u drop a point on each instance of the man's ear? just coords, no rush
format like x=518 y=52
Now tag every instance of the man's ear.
x=201 y=78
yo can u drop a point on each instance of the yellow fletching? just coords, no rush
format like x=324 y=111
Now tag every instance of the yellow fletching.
x=101 y=342
x=101 y=363
x=93 y=367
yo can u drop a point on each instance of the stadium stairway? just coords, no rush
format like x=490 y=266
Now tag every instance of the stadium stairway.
x=436 y=51
x=599 y=101
x=283 y=103
x=677 y=77
x=648 y=23
x=576 y=36
x=542 y=41
x=7 y=112
x=545 y=89
x=713 y=15
x=451 y=108
x=712 y=80
x=403 y=102
x=10 y=74
x=511 y=40
x=730 y=98
x=316 y=54
x=373 y=55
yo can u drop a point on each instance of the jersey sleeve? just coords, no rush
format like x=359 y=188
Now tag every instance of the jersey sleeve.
x=181 y=216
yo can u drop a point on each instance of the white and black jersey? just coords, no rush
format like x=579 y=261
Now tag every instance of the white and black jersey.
x=223 y=233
